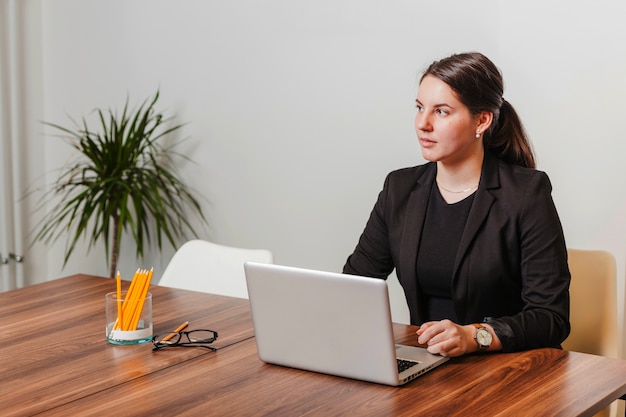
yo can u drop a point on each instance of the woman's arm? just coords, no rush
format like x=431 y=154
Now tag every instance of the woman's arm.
x=544 y=319
x=447 y=338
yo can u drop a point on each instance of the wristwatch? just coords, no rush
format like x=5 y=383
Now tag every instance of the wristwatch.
x=482 y=337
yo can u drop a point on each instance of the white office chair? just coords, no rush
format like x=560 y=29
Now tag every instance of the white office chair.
x=200 y=265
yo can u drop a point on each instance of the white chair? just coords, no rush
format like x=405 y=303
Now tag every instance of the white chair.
x=199 y=265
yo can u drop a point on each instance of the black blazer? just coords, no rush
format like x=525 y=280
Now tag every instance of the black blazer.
x=511 y=266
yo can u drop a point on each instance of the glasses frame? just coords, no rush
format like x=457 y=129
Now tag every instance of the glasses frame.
x=158 y=345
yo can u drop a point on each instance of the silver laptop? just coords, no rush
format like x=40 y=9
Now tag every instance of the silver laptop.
x=329 y=323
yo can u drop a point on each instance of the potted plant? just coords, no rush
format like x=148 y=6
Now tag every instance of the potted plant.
x=123 y=180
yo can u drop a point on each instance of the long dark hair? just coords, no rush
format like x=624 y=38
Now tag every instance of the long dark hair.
x=478 y=83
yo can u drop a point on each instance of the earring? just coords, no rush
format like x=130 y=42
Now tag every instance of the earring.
x=478 y=134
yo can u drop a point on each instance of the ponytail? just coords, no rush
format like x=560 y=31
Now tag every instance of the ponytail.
x=508 y=140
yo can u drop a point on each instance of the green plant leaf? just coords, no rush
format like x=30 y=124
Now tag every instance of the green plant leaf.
x=123 y=181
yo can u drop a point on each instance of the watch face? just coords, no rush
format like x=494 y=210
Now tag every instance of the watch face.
x=483 y=337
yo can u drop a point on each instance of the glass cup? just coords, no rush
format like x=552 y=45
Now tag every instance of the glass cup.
x=135 y=325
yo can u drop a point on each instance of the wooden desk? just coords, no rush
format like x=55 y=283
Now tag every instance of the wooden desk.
x=543 y=382
x=53 y=345
x=233 y=381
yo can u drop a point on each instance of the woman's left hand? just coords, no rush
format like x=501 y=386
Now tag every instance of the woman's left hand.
x=447 y=338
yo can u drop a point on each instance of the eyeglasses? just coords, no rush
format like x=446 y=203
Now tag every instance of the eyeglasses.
x=192 y=338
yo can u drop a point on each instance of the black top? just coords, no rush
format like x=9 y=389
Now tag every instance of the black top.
x=441 y=235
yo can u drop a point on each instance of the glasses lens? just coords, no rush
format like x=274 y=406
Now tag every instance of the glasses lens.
x=202 y=336
x=167 y=338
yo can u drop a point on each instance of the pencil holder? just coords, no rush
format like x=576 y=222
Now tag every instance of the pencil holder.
x=128 y=320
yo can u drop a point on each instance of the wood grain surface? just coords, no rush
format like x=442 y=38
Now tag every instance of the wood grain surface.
x=56 y=362
x=234 y=382
x=53 y=345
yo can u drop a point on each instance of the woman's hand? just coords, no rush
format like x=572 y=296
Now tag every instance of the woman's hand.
x=447 y=338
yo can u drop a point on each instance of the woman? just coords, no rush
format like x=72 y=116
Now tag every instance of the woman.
x=473 y=234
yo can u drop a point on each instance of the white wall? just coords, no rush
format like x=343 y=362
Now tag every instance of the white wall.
x=298 y=109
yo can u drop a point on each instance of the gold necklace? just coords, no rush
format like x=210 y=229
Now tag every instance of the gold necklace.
x=472 y=188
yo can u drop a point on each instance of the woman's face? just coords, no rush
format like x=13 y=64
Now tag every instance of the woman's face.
x=445 y=128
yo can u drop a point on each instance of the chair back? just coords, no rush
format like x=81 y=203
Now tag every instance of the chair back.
x=593 y=303
x=199 y=265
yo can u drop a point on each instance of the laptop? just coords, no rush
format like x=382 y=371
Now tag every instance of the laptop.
x=330 y=323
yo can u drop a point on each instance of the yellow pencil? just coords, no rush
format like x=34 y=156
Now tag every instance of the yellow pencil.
x=119 y=297
x=146 y=278
x=127 y=305
x=129 y=311
x=119 y=323
x=178 y=329
x=135 y=299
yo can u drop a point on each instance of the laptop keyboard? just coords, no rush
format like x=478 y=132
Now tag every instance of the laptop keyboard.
x=404 y=365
